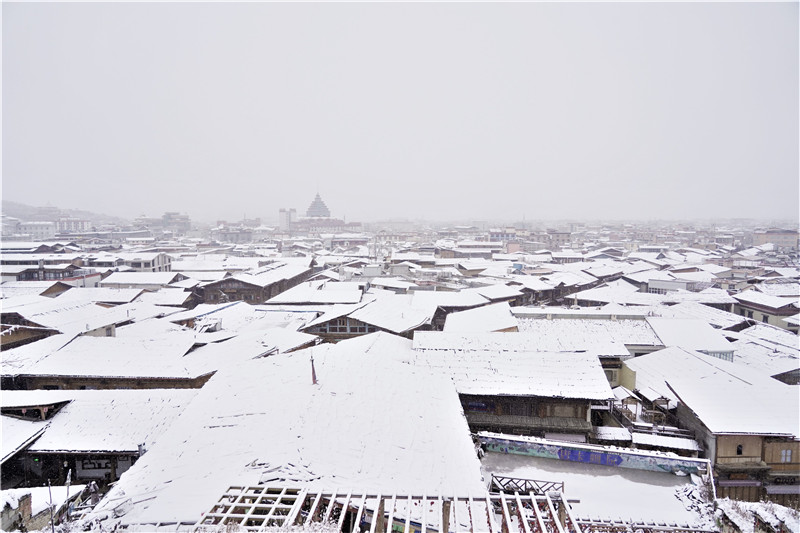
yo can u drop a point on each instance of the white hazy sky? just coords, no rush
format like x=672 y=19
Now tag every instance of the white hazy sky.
x=467 y=111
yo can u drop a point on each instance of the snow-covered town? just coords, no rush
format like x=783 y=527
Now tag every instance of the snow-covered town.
x=316 y=374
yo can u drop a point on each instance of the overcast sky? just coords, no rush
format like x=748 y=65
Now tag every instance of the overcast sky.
x=471 y=111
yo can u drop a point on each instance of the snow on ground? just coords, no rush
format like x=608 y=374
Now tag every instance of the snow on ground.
x=40 y=496
x=743 y=515
x=605 y=492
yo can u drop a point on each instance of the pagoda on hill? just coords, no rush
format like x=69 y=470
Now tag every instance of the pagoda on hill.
x=318 y=209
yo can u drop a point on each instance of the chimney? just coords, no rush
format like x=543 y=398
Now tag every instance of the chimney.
x=313 y=372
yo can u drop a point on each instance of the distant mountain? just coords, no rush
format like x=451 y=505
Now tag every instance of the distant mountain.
x=29 y=213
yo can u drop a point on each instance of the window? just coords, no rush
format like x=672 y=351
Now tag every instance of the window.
x=765 y=318
x=739 y=449
x=786 y=456
x=749 y=314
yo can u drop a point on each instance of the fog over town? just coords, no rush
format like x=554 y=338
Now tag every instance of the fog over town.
x=400 y=267
x=435 y=111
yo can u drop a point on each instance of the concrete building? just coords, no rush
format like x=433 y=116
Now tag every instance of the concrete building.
x=38 y=230
x=782 y=238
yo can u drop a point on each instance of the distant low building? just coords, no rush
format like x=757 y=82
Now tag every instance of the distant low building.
x=782 y=238
x=766 y=308
x=38 y=230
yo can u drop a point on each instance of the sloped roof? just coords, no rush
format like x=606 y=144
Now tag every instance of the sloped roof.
x=141 y=278
x=497 y=291
x=273 y=273
x=766 y=300
x=75 y=316
x=753 y=403
x=514 y=373
x=116 y=357
x=715 y=317
x=319 y=292
x=17 y=434
x=174 y=297
x=106 y=420
x=577 y=333
x=369 y=423
x=393 y=312
x=100 y=295
x=689 y=333
x=494 y=317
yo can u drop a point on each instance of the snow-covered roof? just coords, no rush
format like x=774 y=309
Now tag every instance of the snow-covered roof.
x=649 y=275
x=769 y=360
x=392 y=283
x=369 y=423
x=174 y=297
x=612 y=433
x=77 y=316
x=241 y=316
x=781 y=290
x=105 y=420
x=768 y=333
x=709 y=295
x=768 y=349
x=194 y=277
x=711 y=315
x=16 y=434
x=586 y=332
x=713 y=268
x=689 y=333
x=273 y=273
x=10 y=289
x=503 y=373
x=494 y=317
x=753 y=403
x=766 y=300
x=607 y=311
x=663 y=441
x=497 y=291
x=434 y=299
x=100 y=295
x=87 y=356
x=601 y=271
x=148 y=328
x=517 y=342
x=22 y=356
x=701 y=276
x=569 y=278
x=140 y=278
x=138 y=256
x=319 y=292
x=650 y=257
x=246 y=346
x=533 y=283
x=392 y=312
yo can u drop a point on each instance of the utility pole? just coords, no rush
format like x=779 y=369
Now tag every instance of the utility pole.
x=52 y=522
